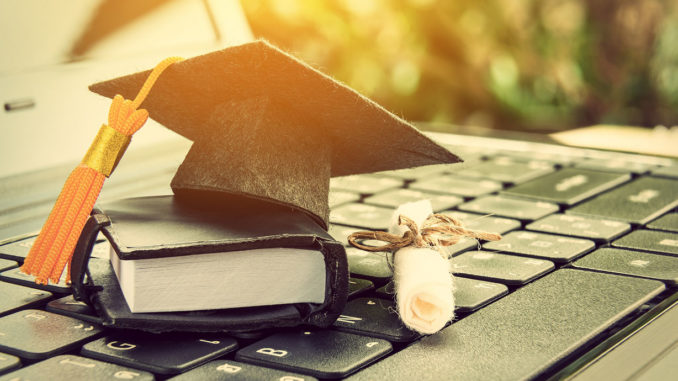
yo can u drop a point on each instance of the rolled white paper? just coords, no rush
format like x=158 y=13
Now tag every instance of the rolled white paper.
x=423 y=283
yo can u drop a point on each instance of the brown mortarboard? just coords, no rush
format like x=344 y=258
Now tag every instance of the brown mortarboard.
x=267 y=126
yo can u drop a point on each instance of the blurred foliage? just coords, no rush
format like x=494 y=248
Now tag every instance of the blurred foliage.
x=538 y=64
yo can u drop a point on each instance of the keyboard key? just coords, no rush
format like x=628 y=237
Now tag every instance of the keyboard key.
x=636 y=263
x=70 y=307
x=371 y=266
x=386 y=291
x=637 y=202
x=485 y=223
x=397 y=197
x=8 y=362
x=6 y=264
x=376 y=318
x=357 y=286
x=546 y=246
x=17 y=250
x=469 y=294
x=362 y=215
x=15 y=297
x=615 y=165
x=650 y=240
x=502 y=268
x=364 y=184
x=668 y=223
x=70 y=367
x=523 y=333
x=341 y=233
x=416 y=173
x=18 y=277
x=338 y=197
x=238 y=371
x=591 y=228
x=11 y=228
x=523 y=210
x=467 y=152
x=472 y=294
x=167 y=353
x=456 y=185
x=528 y=156
x=670 y=172
x=322 y=354
x=568 y=186
x=507 y=170
x=35 y=334
x=465 y=244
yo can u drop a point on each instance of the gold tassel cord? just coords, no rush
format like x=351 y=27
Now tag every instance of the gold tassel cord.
x=53 y=249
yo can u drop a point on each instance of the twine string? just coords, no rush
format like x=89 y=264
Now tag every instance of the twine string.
x=438 y=230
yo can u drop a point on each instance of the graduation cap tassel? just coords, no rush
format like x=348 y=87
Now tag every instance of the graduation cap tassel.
x=53 y=248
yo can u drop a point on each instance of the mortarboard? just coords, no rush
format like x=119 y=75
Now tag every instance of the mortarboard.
x=267 y=126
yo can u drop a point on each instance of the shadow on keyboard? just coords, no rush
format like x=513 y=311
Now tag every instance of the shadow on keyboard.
x=590 y=245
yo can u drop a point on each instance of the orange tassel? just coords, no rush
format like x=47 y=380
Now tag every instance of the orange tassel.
x=53 y=249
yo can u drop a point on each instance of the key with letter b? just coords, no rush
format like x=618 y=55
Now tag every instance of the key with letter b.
x=323 y=354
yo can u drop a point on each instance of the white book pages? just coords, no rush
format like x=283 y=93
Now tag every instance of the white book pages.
x=222 y=280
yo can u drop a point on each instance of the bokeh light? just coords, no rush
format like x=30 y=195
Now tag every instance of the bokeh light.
x=538 y=64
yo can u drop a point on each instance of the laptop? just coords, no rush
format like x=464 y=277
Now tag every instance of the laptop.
x=583 y=284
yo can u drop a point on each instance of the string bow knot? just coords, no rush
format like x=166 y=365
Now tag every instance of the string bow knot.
x=438 y=230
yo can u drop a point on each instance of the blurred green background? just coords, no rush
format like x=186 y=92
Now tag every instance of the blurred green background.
x=540 y=65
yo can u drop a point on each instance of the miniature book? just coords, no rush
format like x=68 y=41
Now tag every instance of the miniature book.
x=169 y=231
x=156 y=276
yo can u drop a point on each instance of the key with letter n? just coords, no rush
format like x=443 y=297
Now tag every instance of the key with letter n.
x=374 y=317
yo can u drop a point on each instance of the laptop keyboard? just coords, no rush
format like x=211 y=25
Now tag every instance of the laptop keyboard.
x=590 y=243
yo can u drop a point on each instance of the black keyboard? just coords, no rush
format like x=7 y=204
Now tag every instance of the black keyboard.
x=589 y=251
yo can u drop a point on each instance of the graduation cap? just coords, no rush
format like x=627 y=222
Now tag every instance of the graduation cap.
x=269 y=127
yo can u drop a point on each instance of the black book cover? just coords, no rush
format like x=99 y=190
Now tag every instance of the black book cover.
x=161 y=226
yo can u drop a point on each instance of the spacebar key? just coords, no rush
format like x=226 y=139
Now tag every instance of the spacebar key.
x=523 y=334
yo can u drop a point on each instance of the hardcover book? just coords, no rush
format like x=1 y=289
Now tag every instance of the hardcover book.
x=221 y=263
